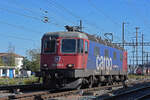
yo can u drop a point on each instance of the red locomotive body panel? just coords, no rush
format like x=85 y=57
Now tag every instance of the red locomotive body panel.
x=60 y=60
x=125 y=67
x=49 y=61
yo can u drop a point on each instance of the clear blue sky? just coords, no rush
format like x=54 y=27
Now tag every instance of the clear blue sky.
x=21 y=25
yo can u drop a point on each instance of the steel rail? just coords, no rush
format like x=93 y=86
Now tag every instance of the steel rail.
x=134 y=92
x=9 y=87
x=49 y=94
x=143 y=97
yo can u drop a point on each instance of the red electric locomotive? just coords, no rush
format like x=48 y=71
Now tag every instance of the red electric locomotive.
x=75 y=59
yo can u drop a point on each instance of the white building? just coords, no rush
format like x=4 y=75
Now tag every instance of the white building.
x=19 y=62
x=5 y=69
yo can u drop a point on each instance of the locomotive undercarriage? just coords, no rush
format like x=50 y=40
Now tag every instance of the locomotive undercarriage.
x=59 y=83
x=69 y=79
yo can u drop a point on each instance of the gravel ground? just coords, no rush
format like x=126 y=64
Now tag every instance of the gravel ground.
x=88 y=95
x=101 y=94
x=5 y=94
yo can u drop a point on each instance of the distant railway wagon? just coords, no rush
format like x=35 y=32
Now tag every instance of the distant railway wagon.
x=80 y=60
x=143 y=69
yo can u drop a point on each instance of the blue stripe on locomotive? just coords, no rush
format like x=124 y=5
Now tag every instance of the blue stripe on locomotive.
x=116 y=63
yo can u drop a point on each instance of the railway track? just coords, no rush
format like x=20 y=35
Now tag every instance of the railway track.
x=137 y=93
x=46 y=94
x=20 y=88
x=43 y=95
x=144 y=97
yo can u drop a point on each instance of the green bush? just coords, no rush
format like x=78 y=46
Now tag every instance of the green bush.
x=28 y=81
x=12 y=82
x=3 y=83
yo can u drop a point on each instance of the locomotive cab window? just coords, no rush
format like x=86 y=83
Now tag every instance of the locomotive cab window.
x=80 y=46
x=86 y=47
x=49 y=46
x=68 y=46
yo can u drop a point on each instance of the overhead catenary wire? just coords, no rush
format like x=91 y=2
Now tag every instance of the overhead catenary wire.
x=105 y=15
x=61 y=7
x=16 y=37
x=57 y=13
x=14 y=12
x=137 y=12
x=38 y=18
x=22 y=7
x=20 y=27
x=35 y=12
x=28 y=16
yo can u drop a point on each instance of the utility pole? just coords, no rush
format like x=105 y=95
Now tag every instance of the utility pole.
x=147 y=58
x=142 y=49
x=133 y=52
x=123 y=34
x=81 y=25
x=137 y=45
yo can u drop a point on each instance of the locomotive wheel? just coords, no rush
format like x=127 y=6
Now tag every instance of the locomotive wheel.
x=99 y=84
x=90 y=85
x=110 y=82
x=122 y=78
x=79 y=86
x=91 y=82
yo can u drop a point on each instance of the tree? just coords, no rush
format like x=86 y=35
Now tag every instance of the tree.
x=32 y=61
x=11 y=57
x=26 y=64
x=1 y=62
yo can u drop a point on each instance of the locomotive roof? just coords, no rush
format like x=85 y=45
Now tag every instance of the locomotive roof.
x=82 y=35
x=66 y=34
x=104 y=42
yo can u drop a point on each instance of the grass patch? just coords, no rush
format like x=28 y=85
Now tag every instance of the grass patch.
x=30 y=80
x=17 y=81
x=134 y=76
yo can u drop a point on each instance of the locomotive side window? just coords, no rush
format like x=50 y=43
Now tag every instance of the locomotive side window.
x=106 y=53
x=68 y=46
x=49 y=46
x=96 y=51
x=114 y=56
x=86 y=47
x=80 y=46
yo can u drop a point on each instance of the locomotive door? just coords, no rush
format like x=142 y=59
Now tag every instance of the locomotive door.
x=85 y=54
x=81 y=53
x=83 y=49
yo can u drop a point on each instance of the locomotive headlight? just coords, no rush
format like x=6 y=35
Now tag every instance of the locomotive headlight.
x=45 y=65
x=70 y=65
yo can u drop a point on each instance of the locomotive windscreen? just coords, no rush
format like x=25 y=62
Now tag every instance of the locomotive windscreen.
x=68 y=46
x=49 y=46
